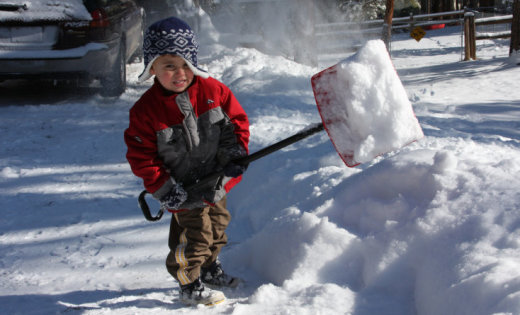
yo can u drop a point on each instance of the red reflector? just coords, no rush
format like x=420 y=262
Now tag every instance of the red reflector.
x=99 y=19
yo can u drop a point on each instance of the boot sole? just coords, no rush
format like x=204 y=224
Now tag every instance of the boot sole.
x=215 y=303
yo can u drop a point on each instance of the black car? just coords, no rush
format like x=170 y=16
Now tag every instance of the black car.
x=78 y=40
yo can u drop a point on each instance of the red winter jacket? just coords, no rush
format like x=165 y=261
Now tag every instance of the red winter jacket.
x=185 y=137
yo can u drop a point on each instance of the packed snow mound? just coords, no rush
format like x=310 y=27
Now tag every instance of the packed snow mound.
x=364 y=106
x=43 y=10
x=411 y=222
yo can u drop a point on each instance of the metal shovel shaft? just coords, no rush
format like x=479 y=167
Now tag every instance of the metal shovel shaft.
x=280 y=145
x=261 y=153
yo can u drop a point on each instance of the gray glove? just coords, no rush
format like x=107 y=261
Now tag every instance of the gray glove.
x=174 y=198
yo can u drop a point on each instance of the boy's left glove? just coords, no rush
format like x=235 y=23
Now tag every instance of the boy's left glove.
x=226 y=157
x=234 y=170
x=174 y=198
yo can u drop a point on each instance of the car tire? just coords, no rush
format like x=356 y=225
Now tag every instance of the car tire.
x=114 y=84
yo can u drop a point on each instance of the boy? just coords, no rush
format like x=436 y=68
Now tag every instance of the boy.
x=185 y=126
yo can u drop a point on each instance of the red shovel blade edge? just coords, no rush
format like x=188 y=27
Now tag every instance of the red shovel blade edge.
x=364 y=106
x=324 y=98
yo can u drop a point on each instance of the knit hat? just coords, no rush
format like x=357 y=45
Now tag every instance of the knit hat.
x=170 y=36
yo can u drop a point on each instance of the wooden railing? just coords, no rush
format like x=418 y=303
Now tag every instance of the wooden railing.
x=345 y=37
x=453 y=17
x=349 y=36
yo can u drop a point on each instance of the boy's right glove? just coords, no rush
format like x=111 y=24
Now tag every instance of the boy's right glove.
x=174 y=198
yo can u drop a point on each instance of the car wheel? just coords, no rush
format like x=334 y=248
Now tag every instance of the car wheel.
x=114 y=84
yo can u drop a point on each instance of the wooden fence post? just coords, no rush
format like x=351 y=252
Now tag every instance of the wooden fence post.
x=470 y=44
x=473 y=37
x=387 y=26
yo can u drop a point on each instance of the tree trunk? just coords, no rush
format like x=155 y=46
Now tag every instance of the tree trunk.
x=451 y=5
x=472 y=4
x=515 y=29
x=387 y=27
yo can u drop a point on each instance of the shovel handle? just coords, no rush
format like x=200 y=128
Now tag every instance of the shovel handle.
x=280 y=145
x=241 y=161
x=245 y=160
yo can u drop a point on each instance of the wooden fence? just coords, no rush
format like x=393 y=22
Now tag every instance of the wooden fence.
x=471 y=35
x=344 y=37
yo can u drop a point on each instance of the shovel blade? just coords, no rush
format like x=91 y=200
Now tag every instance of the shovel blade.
x=364 y=106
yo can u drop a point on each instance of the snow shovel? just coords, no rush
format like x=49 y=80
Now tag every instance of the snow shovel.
x=241 y=161
x=363 y=107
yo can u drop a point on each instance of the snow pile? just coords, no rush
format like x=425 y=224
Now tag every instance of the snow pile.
x=44 y=10
x=421 y=230
x=364 y=106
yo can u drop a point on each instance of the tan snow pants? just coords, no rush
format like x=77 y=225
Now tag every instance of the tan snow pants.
x=196 y=238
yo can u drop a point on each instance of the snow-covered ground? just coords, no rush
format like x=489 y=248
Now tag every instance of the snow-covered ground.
x=433 y=228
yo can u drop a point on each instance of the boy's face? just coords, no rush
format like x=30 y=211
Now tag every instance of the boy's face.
x=172 y=72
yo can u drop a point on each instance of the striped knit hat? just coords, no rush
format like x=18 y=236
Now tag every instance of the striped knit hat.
x=170 y=36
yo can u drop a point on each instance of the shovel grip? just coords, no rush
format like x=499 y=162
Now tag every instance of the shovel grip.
x=146 y=210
